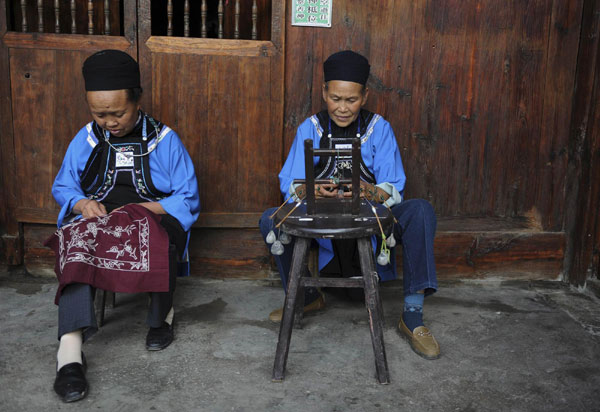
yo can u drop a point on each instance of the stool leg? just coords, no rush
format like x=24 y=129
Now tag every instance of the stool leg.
x=285 y=329
x=299 y=308
x=374 y=308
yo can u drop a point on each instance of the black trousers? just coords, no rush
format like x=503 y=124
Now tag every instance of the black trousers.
x=76 y=304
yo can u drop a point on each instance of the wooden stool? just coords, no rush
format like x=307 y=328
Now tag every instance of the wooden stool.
x=333 y=220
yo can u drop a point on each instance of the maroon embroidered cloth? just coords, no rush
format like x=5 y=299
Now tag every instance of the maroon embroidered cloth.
x=124 y=251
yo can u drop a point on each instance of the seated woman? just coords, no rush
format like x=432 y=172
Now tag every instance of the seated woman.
x=129 y=196
x=345 y=92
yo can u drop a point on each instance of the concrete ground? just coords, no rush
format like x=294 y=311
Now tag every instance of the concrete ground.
x=506 y=346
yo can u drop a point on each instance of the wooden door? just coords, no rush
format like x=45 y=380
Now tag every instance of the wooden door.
x=46 y=93
x=224 y=97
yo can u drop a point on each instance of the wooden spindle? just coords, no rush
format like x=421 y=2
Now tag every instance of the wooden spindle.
x=73 y=17
x=90 y=17
x=186 y=18
x=254 y=19
x=220 y=13
x=23 y=16
x=56 y=16
x=236 y=32
x=40 y=7
x=170 y=18
x=107 y=17
x=203 y=16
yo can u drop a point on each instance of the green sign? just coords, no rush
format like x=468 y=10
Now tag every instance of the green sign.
x=315 y=13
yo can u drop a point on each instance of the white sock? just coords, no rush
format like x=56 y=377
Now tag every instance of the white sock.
x=69 y=350
x=169 y=318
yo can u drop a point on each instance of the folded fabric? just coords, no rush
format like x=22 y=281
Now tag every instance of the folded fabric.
x=124 y=251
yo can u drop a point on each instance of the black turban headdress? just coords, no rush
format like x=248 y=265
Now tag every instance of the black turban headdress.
x=110 y=70
x=348 y=66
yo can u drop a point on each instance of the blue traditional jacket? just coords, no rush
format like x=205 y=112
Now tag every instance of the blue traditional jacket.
x=380 y=155
x=170 y=167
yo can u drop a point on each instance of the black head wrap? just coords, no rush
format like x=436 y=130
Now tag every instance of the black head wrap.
x=110 y=70
x=348 y=66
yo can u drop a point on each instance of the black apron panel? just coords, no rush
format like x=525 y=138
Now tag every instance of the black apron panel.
x=115 y=187
x=328 y=167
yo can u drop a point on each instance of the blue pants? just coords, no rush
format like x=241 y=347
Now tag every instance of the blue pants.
x=415 y=231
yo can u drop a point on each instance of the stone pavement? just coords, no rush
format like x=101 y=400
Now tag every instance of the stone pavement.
x=506 y=346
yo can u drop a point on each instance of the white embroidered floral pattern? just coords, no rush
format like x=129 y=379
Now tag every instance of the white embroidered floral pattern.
x=82 y=245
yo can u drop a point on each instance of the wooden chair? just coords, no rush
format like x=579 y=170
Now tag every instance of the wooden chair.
x=332 y=219
x=100 y=303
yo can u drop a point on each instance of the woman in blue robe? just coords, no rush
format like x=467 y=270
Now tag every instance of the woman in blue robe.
x=382 y=180
x=123 y=157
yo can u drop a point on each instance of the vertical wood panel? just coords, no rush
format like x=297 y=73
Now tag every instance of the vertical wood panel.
x=182 y=107
x=70 y=110
x=582 y=222
x=219 y=164
x=7 y=149
x=258 y=155
x=564 y=35
x=33 y=80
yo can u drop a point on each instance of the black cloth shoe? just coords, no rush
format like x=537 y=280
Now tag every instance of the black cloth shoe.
x=70 y=383
x=159 y=338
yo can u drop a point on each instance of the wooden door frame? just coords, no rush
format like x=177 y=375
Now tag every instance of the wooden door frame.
x=11 y=244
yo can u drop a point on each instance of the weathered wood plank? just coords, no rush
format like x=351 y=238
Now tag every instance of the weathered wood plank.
x=564 y=33
x=232 y=253
x=259 y=151
x=33 y=80
x=277 y=93
x=578 y=252
x=144 y=55
x=7 y=149
x=214 y=47
x=55 y=41
x=582 y=223
x=220 y=158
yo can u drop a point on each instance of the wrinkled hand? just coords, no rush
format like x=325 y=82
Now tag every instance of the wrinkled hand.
x=321 y=190
x=89 y=208
x=329 y=190
x=326 y=190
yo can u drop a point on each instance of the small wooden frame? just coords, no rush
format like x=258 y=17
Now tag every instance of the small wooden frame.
x=312 y=203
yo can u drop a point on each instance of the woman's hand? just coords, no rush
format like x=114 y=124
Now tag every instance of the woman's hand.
x=89 y=208
x=321 y=190
x=330 y=190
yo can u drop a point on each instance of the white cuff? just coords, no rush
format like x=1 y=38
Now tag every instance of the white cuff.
x=395 y=196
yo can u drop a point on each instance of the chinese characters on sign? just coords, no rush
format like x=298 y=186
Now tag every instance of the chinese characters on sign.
x=315 y=13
